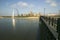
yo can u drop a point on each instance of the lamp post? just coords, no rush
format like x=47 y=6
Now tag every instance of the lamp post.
x=59 y=13
x=44 y=11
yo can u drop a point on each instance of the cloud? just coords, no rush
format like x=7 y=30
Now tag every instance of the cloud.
x=22 y=5
x=31 y=5
x=48 y=1
x=52 y=3
x=13 y=5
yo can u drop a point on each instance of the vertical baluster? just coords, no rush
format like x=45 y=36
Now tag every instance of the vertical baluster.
x=49 y=20
x=52 y=21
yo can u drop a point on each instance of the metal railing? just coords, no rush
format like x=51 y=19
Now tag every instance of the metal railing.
x=52 y=21
x=54 y=25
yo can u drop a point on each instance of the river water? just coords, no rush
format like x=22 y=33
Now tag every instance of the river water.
x=19 y=28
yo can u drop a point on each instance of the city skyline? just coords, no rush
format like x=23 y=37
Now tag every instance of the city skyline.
x=25 y=6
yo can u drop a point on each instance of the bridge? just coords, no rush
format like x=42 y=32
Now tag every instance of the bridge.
x=50 y=28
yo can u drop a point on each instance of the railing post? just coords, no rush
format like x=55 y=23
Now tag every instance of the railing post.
x=49 y=20
x=58 y=28
x=52 y=21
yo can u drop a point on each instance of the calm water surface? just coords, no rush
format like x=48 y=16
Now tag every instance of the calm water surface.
x=22 y=29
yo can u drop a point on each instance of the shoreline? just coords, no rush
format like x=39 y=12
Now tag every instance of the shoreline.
x=20 y=17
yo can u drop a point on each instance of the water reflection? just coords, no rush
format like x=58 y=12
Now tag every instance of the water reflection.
x=13 y=22
x=18 y=29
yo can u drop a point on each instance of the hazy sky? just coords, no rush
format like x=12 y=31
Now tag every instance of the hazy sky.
x=24 y=6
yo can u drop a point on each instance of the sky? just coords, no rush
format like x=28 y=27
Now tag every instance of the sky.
x=25 y=6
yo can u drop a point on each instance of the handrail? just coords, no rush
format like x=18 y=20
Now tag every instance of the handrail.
x=52 y=24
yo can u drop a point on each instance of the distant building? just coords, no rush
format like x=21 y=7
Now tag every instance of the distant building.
x=24 y=14
x=31 y=13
